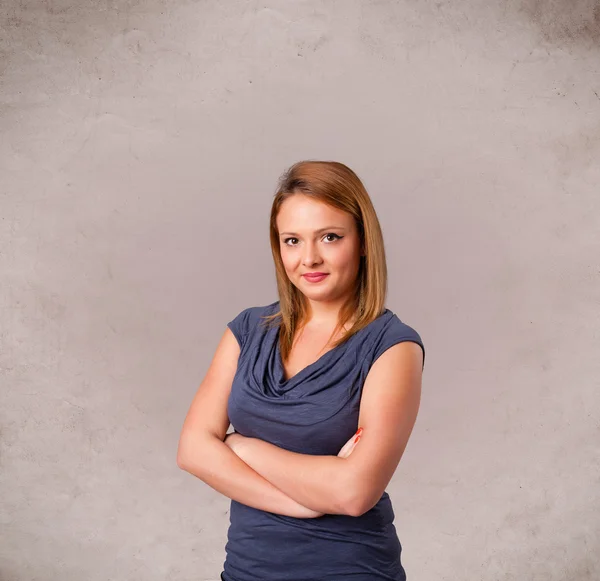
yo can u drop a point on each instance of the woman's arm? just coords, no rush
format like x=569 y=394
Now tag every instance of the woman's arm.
x=209 y=459
x=202 y=452
x=353 y=485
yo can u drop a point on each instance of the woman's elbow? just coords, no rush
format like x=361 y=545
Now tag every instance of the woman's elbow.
x=182 y=457
x=358 y=508
x=360 y=502
x=189 y=450
x=182 y=461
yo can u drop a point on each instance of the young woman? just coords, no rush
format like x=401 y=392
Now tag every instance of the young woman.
x=296 y=378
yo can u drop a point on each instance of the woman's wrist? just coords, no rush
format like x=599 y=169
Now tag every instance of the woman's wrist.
x=241 y=446
x=237 y=443
x=264 y=458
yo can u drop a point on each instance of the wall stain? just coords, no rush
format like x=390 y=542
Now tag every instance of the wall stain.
x=563 y=22
x=577 y=152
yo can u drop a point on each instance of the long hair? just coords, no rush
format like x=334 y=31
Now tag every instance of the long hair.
x=336 y=185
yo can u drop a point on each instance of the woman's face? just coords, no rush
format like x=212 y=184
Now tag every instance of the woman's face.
x=317 y=238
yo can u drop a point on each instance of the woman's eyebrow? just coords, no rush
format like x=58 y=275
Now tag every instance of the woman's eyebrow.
x=328 y=228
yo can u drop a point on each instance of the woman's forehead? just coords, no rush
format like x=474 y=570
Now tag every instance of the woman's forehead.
x=304 y=213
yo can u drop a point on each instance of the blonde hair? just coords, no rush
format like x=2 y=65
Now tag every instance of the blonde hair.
x=336 y=185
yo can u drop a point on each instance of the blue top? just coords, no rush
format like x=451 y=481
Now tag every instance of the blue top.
x=314 y=412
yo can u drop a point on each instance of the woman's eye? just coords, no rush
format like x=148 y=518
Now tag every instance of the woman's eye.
x=293 y=241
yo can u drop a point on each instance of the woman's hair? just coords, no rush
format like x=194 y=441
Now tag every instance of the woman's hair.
x=336 y=185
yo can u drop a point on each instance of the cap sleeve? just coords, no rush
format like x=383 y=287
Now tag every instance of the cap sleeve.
x=249 y=319
x=240 y=326
x=395 y=332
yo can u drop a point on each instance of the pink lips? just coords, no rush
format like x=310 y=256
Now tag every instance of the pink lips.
x=315 y=276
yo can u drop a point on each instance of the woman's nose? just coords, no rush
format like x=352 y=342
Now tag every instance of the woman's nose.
x=310 y=255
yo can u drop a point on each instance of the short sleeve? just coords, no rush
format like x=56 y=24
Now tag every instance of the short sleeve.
x=395 y=332
x=243 y=325
x=240 y=326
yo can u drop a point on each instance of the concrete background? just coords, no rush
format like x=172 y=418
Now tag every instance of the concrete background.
x=141 y=143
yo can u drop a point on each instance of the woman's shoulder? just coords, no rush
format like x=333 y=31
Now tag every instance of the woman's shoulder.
x=249 y=318
x=255 y=312
x=395 y=324
x=389 y=331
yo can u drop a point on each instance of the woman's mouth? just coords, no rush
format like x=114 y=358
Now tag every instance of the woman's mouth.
x=315 y=276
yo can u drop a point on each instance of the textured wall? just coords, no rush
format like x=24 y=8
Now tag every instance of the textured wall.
x=141 y=143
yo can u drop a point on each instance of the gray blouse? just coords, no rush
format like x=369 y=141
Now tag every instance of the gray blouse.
x=314 y=412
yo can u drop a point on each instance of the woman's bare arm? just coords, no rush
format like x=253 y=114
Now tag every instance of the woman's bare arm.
x=202 y=452
x=353 y=485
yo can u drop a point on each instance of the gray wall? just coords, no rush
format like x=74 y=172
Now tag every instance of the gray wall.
x=141 y=144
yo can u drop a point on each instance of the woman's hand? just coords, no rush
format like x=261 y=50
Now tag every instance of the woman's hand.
x=242 y=448
x=235 y=442
x=238 y=445
x=350 y=444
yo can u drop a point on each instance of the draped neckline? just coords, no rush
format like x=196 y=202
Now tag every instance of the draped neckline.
x=320 y=360
x=307 y=368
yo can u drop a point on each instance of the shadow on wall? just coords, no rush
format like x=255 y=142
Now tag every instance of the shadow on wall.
x=563 y=22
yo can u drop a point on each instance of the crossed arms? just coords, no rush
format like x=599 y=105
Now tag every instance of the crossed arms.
x=264 y=476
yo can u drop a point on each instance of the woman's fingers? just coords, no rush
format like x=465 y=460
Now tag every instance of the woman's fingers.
x=349 y=446
x=343 y=453
x=347 y=449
